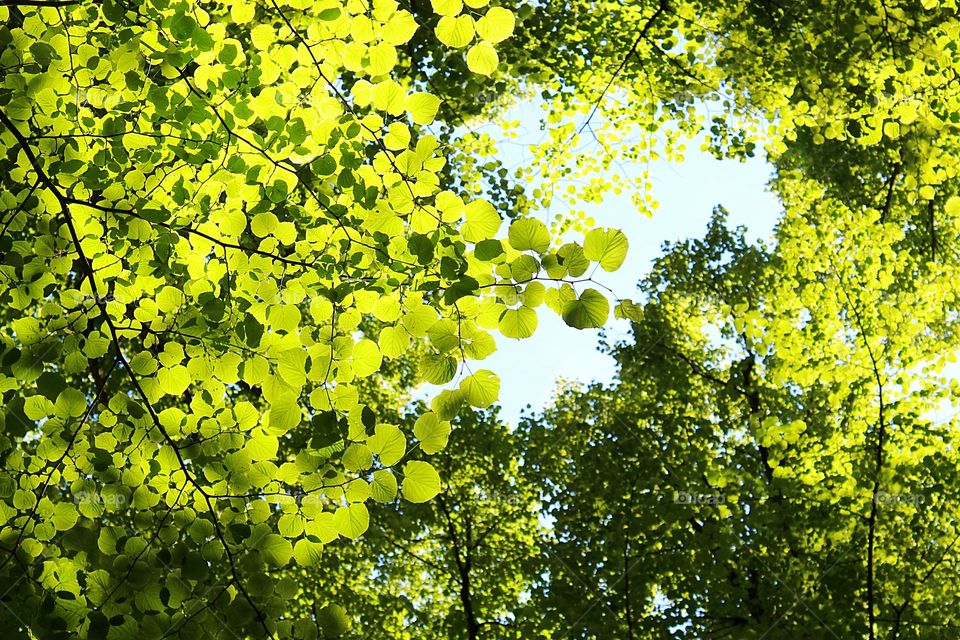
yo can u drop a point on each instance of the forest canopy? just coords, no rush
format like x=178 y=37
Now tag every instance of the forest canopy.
x=237 y=240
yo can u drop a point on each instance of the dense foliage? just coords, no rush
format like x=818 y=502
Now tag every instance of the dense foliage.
x=235 y=237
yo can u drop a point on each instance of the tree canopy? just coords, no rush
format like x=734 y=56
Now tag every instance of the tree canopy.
x=235 y=238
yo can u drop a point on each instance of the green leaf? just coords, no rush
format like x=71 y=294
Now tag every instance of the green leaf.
x=529 y=234
x=432 y=432
x=589 y=311
x=292 y=367
x=65 y=516
x=307 y=553
x=275 y=549
x=389 y=443
x=481 y=389
x=351 y=520
x=421 y=482
x=38 y=408
x=264 y=224
x=465 y=286
x=446 y=7
x=333 y=620
x=437 y=369
x=143 y=364
x=422 y=247
x=262 y=446
x=572 y=258
x=628 y=310
x=518 y=323
x=174 y=380
x=202 y=40
x=290 y=525
x=482 y=58
x=487 y=250
x=393 y=341
x=384 y=486
x=182 y=27
x=423 y=107
x=366 y=358
x=284 y=416
x=357 y=457
x=496 y=25
x=482 y=221
x=606 y=246
x=444 y=335
x=455 y=32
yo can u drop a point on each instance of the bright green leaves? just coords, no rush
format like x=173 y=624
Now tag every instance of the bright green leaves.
x=432 y=432
x=518 y=323
x=366 y=358
x=496 y=25
x=423 y=107
x=262 y=446
x=455 y=32
x=352 y=520
x=70 y=404
x=482 y=58
x=307 y=553
x=458 y=30
x=482 y=221
x=389 y=443
x=481 y=389
x=284 y=416
x=174 y=380
x=437 y=369
x=421 y=482
x=589 y=311
x=628 y=310
x=446 y=7
x=529 y=234
x=64 y=516
x=275 y=549
x=606 y=246
x=383 y=487
x=357 y=457
x=276 y=258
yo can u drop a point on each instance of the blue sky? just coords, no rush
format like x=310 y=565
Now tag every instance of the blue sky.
x=687 y=193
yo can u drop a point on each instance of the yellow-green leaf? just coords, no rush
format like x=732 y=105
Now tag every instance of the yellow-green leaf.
x=497 y=25
x=421 y=482
x=456 y=32
x=482 y=58
x=606 y=246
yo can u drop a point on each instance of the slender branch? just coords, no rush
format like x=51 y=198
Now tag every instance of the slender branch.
x=878 y=458
x=623 y=63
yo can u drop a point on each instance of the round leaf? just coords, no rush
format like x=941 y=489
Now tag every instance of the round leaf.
x=589 y=311
x=421 y=482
